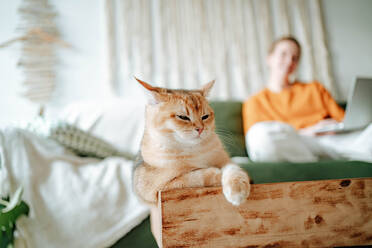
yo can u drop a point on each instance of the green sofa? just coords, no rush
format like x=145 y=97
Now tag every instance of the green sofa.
x=229 y=127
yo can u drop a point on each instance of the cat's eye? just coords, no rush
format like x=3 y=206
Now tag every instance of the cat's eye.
x=183 y=117
x=204 y=117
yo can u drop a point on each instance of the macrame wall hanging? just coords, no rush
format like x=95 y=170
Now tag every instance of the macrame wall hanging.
x=38 y=59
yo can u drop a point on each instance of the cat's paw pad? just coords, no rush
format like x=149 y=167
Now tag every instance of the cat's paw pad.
x=235 y=185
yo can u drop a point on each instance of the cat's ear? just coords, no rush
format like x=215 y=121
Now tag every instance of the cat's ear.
x=207 y=88
x=153 y=93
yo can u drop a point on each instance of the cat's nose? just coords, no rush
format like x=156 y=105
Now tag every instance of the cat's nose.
x=199 y=130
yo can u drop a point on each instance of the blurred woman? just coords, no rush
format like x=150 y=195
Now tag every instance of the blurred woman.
x=279 y=121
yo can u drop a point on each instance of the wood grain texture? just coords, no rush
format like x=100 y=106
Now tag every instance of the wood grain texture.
x=296 y=214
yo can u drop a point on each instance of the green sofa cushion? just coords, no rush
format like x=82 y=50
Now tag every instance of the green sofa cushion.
x=229 y=126
x=291 y=172
x=141 y=236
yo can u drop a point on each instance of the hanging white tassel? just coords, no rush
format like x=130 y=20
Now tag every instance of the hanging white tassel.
x=309 y=71
x=185 y=43
x=324 y=65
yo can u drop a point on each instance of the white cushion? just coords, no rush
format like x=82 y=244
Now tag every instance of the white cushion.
x=118 y=121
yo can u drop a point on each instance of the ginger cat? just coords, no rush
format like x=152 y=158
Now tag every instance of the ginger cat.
x=180 y=148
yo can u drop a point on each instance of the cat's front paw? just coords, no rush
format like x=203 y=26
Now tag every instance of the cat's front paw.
x=235 y=184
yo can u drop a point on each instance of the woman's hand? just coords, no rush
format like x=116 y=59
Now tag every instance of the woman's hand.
x=312 y=130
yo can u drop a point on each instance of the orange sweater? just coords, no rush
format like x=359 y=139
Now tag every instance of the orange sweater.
x=300 y=105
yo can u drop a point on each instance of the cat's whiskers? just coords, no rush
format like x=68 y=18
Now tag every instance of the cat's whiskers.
x=228 y=137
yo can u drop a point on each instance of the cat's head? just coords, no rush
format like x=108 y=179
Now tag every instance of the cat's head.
x=182 y=116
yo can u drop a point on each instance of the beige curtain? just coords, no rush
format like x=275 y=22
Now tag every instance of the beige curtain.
x=185 y=43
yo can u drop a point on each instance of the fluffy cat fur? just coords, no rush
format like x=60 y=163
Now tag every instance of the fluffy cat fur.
x=180 y=148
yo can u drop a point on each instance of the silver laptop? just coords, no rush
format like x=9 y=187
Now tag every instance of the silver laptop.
x=358 y=112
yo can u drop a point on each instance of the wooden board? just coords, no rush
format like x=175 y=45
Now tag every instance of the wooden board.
x=325 y=213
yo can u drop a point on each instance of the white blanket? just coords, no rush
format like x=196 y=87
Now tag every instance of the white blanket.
x=273 y=141
x=74 y=202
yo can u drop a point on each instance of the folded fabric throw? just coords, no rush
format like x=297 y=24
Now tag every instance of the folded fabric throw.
x=79 y=141
x=74 y=201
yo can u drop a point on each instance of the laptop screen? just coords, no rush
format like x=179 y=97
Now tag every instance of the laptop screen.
x=359 y=107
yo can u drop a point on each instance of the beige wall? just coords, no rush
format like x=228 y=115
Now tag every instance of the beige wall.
x=349 y=26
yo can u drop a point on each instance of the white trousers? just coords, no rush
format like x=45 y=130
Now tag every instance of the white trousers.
x=272 y=141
